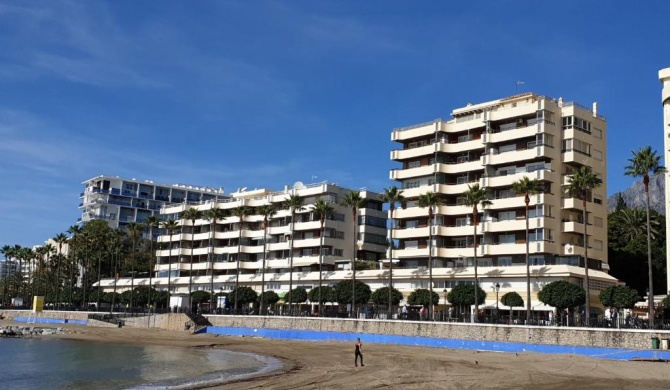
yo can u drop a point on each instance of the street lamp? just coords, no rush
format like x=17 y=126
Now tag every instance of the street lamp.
x=497 y=287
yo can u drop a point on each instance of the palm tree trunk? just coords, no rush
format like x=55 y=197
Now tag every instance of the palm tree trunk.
x=353 y=270
x=211 y=266
x=151 y=265
x=650 y=296
x=430 y=262
x=169 y=272
x=586 y=264
x=474 y=245
x=320 y=268
x=290 y=266
x=60 y=253
x=190 y=272
x=265 y=235
x=99 y=279
x=132 y=276
x=528 y=304
x=237 y=271
x=390 y=303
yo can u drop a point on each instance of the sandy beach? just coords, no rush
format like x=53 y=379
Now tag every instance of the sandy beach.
x=330 y=365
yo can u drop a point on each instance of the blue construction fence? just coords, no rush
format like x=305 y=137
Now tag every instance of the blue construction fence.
x=479 y=345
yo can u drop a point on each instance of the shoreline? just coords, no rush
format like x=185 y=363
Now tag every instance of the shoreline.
x=320 y=365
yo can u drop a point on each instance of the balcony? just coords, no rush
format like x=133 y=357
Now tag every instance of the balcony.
x=514 y=156
x=399 y=174
x=418 y=130
x=572 y=227
x=512 y=134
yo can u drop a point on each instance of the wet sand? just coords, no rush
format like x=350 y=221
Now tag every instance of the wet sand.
x=330 y=365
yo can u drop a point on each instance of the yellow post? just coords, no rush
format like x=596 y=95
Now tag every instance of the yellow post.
x=38 y=304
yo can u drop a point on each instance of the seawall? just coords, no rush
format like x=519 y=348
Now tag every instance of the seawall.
x=445 y=334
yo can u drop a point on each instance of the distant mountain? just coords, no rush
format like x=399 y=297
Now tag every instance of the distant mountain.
x=634 y=196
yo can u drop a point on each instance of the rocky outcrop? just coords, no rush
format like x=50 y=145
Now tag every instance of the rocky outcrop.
x=634 y=196
x=30 y=331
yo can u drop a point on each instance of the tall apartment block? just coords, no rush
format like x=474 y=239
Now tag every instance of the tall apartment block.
x=494 y=144
x=121 y=201
x=664 y=77
x=218 y=248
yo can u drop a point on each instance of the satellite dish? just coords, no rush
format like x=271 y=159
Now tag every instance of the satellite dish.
x=568 y=249
x=298 y=185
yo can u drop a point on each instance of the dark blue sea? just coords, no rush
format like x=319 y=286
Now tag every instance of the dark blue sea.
x=43 y=364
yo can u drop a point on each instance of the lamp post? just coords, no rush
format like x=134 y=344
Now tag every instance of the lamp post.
x=445 y=302
x=497 y=287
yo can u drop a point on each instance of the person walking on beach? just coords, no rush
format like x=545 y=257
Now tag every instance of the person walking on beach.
x=359 y=352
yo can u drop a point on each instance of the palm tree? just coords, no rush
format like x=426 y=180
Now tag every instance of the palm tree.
x=6 y=251
x=114 y=241
x=213 y=215
x=267 y=211
x=474 y=196
x=170 y=226
x=355 y=201
x=75 y=231
x=192 y=214
x=581 y=183
x=49 y=250
x=322 y=210
x=294 y=204
x=430 y=200
x=135 y=231
x=527 y=187
x=40 y=252
x=151 y=223
x=240 y=212
x=392 y=196
x=644 y=161
x=60 y=239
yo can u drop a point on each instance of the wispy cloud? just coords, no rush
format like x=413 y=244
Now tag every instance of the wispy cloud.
x=78 y=41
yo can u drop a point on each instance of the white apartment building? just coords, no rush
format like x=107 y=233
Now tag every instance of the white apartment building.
x=121 y=201
x=664 y=77
x=216 y=253
x=494 y=144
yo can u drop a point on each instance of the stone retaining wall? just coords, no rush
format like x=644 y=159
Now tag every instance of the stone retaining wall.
x=60 y=315
x=591 y=337
x=171 y=321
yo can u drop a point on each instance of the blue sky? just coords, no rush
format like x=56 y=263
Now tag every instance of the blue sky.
x=267 y=93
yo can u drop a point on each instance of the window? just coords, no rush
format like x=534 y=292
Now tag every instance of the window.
x=506 y=239
x=462 y=180
x=598 y=222
x=597 y=244
x=572 y=144
x=504 y=194
x=504 y=261
x=412 y=224
x=411 y=244
x=536 y=260
x=537 y=235
x=597 y=133
x=412 y=184
x=413 y=164
x=597 y=199
x=463 y=221
x=337 y=252
x=597 y=154
x=534 y=167
x=507 y=148
x=507 y=215
x=536 y=212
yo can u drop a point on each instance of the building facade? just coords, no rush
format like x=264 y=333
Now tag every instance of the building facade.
x=215 y=247
x=664 y=77
x=122 y=201
x=494 y=144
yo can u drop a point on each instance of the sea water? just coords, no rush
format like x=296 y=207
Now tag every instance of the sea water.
x=73 y=364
